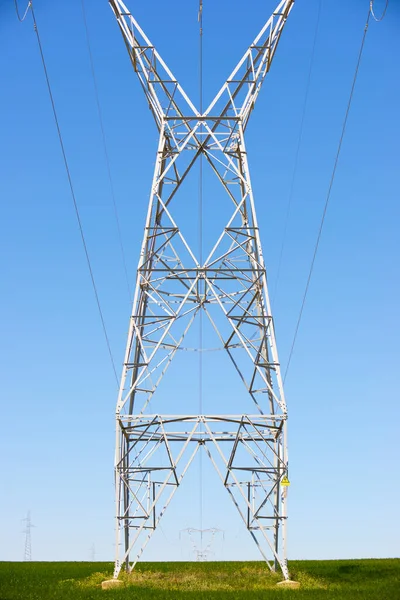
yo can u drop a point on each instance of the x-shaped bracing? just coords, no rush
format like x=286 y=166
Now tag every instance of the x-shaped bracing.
x=175 y=282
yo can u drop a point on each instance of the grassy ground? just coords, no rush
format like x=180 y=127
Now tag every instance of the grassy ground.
x=338 y=579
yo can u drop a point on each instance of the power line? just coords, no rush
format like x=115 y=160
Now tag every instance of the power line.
x=371 y=8
x=21 y=19
x=296 y=160
x=106 y=155
x=328 y=195
x=71 y=188
x=201 y=284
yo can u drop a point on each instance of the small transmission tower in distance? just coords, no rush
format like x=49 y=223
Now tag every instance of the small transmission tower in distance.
x=28 y=537
x=93 y=553
x=198 y=537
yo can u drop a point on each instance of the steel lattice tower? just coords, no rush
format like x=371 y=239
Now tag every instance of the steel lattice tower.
x=28 y=538
x=229 y=286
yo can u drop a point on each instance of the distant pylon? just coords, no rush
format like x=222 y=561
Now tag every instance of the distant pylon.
x=28 y=538
x=201 y=551
x=93 y=553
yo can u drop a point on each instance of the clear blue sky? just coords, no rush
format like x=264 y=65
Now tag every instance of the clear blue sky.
x=57 y=386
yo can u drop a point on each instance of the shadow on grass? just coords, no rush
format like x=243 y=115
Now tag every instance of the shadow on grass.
x=351 y=572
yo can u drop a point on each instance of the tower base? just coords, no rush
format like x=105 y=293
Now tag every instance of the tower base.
x=288 y=583
x=111 y=583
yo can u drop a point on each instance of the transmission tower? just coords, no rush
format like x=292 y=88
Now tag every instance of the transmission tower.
x=197 y=538
x=28 y=538
x=93 y=553
x=228 y=286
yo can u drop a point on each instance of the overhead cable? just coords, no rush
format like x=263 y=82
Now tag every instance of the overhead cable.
x=18 y=13
x=200 y=288
x=371 y=8
x=328 y=195
x=106 y=155
x=296 y=160
x=76 y=208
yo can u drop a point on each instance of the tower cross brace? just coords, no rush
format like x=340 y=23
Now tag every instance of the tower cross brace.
x=228 y=286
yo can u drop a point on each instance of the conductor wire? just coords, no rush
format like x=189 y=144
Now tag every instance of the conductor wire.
x=103 y=135
x=21 y=19
x=371 y=8
x=201 y=282
x=332 y=179
x=296 y=159
x=78 y=218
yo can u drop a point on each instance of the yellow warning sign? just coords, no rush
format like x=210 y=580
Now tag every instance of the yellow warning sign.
x=285 y=481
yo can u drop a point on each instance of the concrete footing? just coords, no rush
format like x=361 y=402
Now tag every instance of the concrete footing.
x=288 y=583
x=111 y=583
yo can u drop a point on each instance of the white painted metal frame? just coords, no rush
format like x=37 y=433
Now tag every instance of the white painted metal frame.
x=154 y=450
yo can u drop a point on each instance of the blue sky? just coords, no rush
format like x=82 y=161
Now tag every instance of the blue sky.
x=58 y=388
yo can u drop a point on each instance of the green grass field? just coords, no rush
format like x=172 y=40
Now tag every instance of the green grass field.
x=347 y=579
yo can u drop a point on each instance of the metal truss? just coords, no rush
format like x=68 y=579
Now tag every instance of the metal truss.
x=228 y=286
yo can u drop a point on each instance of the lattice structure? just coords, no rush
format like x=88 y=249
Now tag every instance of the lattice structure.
x=202 y=541
x=228 y=285
x=28 y=538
